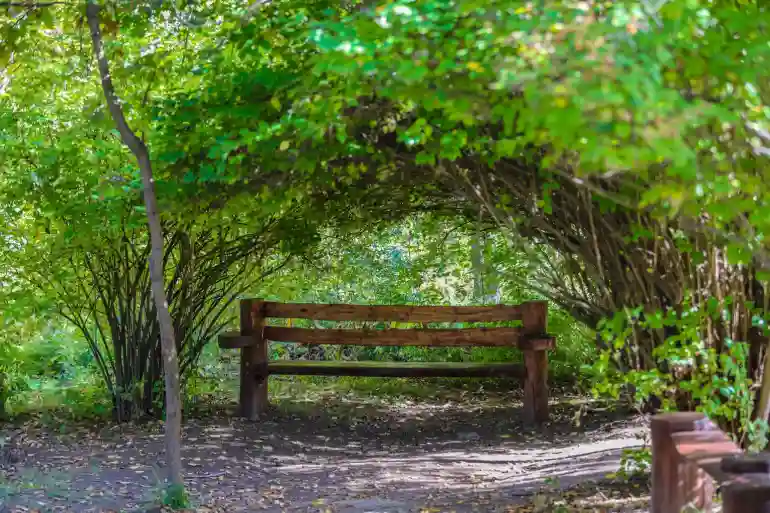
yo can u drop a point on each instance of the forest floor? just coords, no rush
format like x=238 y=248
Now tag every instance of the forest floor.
x=348 y=453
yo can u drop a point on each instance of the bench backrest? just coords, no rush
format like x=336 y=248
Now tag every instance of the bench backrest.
x=531 y=334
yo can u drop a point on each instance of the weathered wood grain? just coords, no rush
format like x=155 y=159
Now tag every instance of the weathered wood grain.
x=234 y=340
x=399 y=313
x=253 y=387
x=396 y=369
x=490 y=337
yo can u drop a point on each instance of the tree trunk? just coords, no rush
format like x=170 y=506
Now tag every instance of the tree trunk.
x=763 y=409
x=477 y=265
x=173 y=426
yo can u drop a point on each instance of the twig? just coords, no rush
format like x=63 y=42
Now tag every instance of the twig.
x=206 y=476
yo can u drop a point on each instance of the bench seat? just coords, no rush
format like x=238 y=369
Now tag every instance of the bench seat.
x=397 y=369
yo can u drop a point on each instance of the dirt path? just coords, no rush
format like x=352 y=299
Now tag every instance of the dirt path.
x=466 y=455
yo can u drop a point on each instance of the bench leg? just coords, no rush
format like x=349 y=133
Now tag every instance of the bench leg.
x=262 y=402
x=253 y=396
x=260 y=379
x=254 y=380
x=536 y=387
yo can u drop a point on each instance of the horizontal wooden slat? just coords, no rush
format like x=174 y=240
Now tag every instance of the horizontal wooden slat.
x=706 y=449
x=493 y=337
x=234 y=340
x=399 y=313
x=740 y=463
x=397 y=369
x=694 y=444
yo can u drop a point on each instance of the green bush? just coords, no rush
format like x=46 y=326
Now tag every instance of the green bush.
x=689 y=375
x=50 y=371
x=56 y=353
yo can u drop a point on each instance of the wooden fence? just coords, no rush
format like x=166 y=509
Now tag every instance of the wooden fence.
x=691 y=458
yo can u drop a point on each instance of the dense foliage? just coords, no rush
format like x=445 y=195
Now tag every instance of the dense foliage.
x=615 y=153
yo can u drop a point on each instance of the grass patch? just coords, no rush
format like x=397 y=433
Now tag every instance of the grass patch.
x=85 y=397
x=298 y=387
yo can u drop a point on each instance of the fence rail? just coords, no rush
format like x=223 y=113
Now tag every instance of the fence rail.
x=691 y=457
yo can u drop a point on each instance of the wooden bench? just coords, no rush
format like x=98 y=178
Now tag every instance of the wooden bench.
x=530 y=336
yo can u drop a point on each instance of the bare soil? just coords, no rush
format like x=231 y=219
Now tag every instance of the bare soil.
x=459 y=452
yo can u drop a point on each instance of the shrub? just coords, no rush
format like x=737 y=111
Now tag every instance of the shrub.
x=690 y=372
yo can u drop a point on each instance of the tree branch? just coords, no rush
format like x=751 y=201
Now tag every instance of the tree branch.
x=127 y=135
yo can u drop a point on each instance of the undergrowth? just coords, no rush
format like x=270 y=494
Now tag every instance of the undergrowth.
x=53 y=375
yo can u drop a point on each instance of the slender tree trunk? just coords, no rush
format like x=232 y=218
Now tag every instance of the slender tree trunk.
x=477 y=264
x=763 y=409
x=173 y=426
x=478 y=243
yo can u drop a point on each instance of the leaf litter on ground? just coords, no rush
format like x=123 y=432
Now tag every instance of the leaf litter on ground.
x=453 y=453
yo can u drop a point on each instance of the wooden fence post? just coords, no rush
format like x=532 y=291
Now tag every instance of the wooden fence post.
x=749 y=491
x=675 y=482
x=534 y=322
x=253 y=393
x=749 y=495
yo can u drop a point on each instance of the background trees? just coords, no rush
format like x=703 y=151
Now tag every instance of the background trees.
x=610 y=156
x=617 y=133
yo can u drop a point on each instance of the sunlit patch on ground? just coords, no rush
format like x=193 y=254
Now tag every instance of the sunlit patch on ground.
x=455 y=452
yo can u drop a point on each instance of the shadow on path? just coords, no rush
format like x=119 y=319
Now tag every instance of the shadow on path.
x=352 y=457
